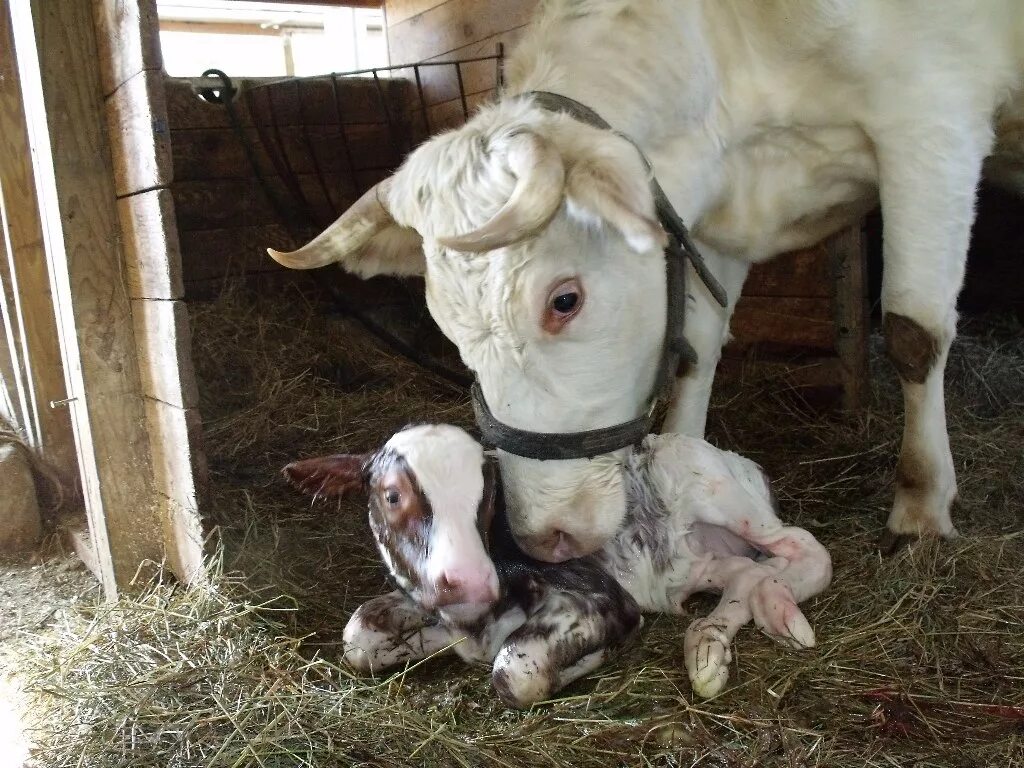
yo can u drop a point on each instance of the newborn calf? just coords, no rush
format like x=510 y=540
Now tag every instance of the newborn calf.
x=463 y=583
x=698 y=520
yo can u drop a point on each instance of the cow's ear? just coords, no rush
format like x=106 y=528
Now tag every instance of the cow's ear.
x=614 y=189
x=395 y=251
x=335 y=475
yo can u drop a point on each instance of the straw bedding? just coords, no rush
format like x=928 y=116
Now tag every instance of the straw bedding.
x=920 y=655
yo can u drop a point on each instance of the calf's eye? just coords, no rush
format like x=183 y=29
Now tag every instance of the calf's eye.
x=392 y=496
x=565 y=302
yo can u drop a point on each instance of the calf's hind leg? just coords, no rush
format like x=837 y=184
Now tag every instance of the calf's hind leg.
x=391 y=630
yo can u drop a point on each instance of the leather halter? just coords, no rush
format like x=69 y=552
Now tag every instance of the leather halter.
x=551 y=446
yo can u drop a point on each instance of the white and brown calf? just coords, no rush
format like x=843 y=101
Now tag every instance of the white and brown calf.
x=698 y=520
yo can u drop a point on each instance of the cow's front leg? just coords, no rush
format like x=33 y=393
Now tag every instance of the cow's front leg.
x=928 y=173
x=569 y=636
x=707 y=329
x=391 y=630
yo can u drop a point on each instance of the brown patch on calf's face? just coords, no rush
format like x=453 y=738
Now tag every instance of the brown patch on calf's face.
x=400 y=518
x=911 y=348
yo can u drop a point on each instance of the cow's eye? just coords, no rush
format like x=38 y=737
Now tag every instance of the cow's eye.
x=564 y=302
x=392 y=496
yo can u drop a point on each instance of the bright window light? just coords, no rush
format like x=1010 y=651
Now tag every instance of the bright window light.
x=254 y=39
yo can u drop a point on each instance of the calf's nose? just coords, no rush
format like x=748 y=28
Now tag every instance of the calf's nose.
x=457 y=586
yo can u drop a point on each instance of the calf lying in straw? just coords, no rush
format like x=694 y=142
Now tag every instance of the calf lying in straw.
x=699 y=520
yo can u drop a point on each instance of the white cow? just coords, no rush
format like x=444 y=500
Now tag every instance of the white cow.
x=770 y=124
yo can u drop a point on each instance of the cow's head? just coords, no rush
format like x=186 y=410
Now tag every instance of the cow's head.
x=543 y=264
x=430 y=508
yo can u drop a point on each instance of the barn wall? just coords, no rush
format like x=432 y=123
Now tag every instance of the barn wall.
x=444 y=30
x=225 y=218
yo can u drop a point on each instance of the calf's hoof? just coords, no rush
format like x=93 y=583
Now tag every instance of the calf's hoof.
x=707 y=658
x=777 y=614
x=521 y=681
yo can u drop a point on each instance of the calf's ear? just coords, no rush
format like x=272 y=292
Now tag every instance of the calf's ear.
x=334 y=475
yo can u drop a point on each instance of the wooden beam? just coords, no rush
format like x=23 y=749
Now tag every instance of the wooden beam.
x=848 y=265
x=29 y=280
x=55 y=41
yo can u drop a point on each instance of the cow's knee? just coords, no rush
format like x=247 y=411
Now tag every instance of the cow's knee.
x=520 y=678
x=913 y=350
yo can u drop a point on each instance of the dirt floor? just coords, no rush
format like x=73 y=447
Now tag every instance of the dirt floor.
x=920 y=655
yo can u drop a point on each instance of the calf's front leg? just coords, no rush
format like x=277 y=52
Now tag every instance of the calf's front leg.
x=567 y=637
x=390 y=630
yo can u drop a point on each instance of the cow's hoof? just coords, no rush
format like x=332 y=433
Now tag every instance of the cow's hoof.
x=890 y=543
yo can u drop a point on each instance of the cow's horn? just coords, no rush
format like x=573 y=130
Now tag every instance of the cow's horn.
x=537 y=196
x=352 y=230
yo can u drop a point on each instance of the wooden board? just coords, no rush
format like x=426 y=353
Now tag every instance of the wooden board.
x=229 y=203
x=151 y=250
x=218 y=153
x=787 y=323
x=141 y=143
x=453 y=25
x=58 y=63
x=28 y=277
x=164 y=340
x=799 y=274
x=848 y=266
x=396 y=11
x=130 y=42
x=359 y=101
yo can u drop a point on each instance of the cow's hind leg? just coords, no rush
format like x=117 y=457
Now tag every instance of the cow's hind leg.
x=928 y=173
x=568 y=637
x=391 y=630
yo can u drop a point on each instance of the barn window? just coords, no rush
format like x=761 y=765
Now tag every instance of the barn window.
x=256 y=39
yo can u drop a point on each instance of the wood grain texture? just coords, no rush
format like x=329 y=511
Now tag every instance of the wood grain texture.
x=165 y=351
x=128 y=40
x=218 y=153
x=58 y=60
x=848 y=266
x=311 y=103
x=453 y=25
x=799 y=273
x=140 y=140
x=181 y=478
x=152 y=253
x=28 y=276
x=396 y=11
x=786 y=322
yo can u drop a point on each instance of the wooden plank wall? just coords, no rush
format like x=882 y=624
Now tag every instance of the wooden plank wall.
x=30 y=312
x=445 y=30
x=134 y=102
x=225 y=219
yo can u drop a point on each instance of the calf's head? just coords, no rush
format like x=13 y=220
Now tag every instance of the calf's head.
x=430 y=507
x=543 y=263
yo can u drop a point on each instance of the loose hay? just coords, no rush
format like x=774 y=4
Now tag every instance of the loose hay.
x=919 y=658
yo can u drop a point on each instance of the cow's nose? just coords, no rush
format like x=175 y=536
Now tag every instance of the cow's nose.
x=456 y=586
x=556 y=546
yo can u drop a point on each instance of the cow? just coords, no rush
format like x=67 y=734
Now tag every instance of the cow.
x=770 y=125
x=697 y=519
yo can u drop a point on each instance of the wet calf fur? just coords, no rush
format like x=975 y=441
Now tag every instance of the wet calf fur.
x=698 y=520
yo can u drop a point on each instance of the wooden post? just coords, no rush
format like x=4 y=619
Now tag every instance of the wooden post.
x=847 y=264
x=30 y=308
x=57 y=59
